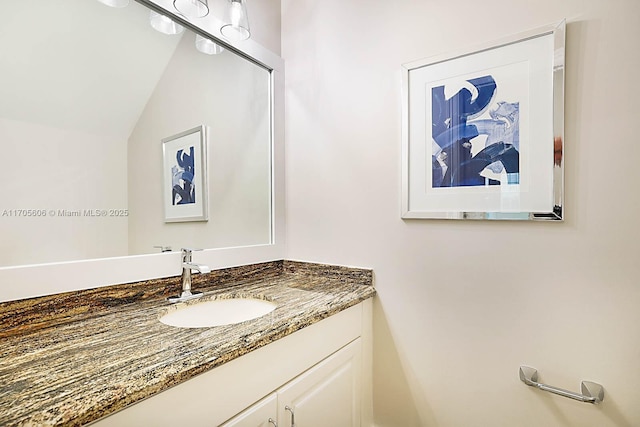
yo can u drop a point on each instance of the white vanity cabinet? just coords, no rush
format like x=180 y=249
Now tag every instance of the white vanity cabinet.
x=261 y=414
x=322 y=372
x=329 y=394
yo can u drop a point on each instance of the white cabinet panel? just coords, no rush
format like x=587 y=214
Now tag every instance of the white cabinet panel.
x=327 y=395
x=257 y=415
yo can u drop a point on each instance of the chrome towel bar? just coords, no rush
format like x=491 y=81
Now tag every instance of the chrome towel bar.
x=591 y=392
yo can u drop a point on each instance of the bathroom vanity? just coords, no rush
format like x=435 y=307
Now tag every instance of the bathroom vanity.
x=103 y=356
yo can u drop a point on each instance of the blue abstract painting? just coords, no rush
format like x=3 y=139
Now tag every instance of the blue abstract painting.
x=182 y=178
x=475 y=136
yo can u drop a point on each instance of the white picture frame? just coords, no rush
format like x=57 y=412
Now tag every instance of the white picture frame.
x=483 y=131
x=185 y=176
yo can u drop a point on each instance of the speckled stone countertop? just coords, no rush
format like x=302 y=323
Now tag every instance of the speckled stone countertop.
x=72 y=358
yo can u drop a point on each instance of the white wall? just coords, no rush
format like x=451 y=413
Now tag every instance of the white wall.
x=60 y=173
x=463 y=304
x=264 y=21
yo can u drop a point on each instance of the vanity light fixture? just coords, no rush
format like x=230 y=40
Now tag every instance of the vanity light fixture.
x=164 y=24
x=115 y=3
x=207 y=46
x=236 y=25
x=192 y=8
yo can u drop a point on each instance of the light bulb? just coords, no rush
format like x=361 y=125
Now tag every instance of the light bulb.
x=192 y=8
x=236 y=22
x=236 y=13
x=207 y=46
x=164 y=24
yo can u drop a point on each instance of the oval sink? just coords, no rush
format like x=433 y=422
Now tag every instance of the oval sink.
x=218 y=313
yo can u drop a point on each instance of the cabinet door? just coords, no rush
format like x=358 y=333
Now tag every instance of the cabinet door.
x=327 y=395
x=257 y=415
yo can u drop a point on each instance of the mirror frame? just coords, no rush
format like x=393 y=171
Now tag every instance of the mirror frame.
x=27 y=281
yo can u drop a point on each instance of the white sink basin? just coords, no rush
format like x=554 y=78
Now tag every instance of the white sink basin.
x=218 y=312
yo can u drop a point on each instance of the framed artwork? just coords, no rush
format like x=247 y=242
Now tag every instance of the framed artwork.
x=185 y=176
x=483 y=131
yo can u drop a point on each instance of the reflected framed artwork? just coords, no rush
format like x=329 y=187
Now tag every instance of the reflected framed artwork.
x=185 y=176
x=483 y=131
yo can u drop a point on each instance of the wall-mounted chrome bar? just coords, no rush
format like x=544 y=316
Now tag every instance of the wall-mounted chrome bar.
x=591 y=392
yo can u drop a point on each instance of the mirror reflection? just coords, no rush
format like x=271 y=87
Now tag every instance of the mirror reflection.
x=87 y=94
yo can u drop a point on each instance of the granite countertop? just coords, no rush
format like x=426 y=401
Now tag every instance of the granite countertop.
x=72 y=358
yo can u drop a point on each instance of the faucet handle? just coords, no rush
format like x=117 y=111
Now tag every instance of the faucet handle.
x=187 y=250
x=186 y=254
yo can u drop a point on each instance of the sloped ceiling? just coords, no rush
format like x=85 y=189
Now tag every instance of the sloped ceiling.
x=78 y=64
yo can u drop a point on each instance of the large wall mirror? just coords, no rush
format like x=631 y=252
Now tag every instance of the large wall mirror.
x=87 y=94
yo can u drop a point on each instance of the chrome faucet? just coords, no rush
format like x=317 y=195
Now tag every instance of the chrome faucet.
x=187 y=267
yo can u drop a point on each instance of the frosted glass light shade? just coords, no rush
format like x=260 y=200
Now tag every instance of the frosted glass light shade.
x=115 y=3
x=207 y=46
x=236 y=25
x=164 y=24
x=192 y=8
